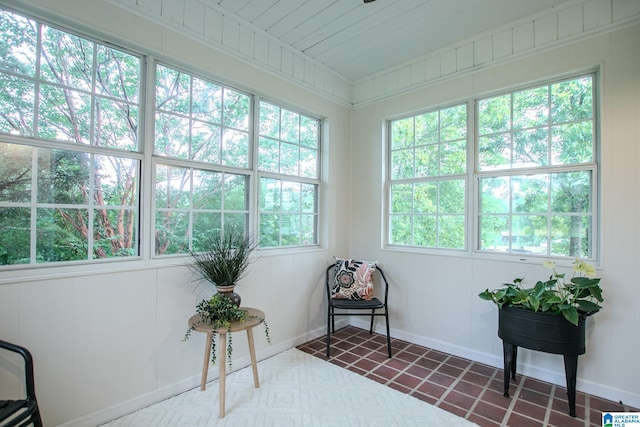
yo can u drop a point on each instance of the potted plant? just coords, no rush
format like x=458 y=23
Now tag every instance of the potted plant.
x=579 y=296
x=223 y=264
x=549 y=316
x=225 y=260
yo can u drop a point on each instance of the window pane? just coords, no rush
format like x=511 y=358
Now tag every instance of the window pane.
x=235 y=192
x=118 y=124
x=235 y=148
x=171 y=232
x=118 y=74
x=173 y=186
x=290 y=127
x=65 y=115
x=235 y=109
x=309 y=131
x=402 y=133
x=268 y=156
x=424 y=231
x=425 y=198
x=439 y=149
x=402 y=199
x=115 y=233
x=572 y=143
x=172 y=136
x=59 y=237
x=494 y=115
x=494 y=195
x=205 y=142
x=69 y=59
x=288 y=159
x=269 y=120
x=453 y=157
x=426 y=162
x=207 y=190
x=530 y=193
x=207 y=101
x=18 y=44
x=287 y=211
x=15 y=172
x=494 y=152
x=17 y=97
x=531 y=108
x=63 y=177
x=451 y=231
x=531 y=148
x=205 y=225
x=451 y=196
x=172 y=90
x=572 y=100
x=15 y=235
x=571 y=192
x=401 y=230
x=402 y=164
x=427 y=128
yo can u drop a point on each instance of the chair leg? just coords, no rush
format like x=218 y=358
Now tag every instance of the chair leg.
x=386 y=316
x=372 y=316
x=329 y=323
x=333 y=322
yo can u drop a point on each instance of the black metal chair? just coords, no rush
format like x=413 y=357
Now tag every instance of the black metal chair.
x=21 y=412
x=353 y=307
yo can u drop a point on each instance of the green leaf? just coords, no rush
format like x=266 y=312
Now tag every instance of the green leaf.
x=571 y=314
x=588 y=306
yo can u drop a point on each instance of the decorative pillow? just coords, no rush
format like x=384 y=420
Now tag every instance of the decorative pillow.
x=353 y=279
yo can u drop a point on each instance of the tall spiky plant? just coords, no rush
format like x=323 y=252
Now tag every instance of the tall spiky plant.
x=226 y=258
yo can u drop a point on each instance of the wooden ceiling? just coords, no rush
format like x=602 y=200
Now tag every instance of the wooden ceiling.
x=358 y=39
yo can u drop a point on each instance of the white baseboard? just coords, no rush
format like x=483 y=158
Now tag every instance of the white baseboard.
x=132 y=405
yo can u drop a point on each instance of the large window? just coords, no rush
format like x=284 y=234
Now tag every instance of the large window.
x=69 y=160
x=428 y=175
x=536 y=170
x=288 y=162
x=202 y=146
x=535 y=173
x=73 y=148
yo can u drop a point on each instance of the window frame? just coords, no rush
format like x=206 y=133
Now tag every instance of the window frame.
x=472 y=201
x=592 y=167
x=88 y=147
x=437 y=179
x=290 y=178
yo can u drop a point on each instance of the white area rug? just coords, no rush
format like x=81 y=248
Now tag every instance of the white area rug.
x=296 y=389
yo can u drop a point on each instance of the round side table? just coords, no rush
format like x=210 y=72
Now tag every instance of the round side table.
x=254 y=318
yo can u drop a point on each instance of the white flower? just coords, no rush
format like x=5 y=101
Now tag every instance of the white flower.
x=549 y=264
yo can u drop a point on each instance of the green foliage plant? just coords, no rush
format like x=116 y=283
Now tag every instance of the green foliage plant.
x=219 y=311
x=579 y=295
x=226 y=257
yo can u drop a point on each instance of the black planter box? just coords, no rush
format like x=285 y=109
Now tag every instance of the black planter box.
x=549 y=333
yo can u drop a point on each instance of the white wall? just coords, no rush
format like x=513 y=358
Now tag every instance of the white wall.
x=108 y=341
x=434 y=299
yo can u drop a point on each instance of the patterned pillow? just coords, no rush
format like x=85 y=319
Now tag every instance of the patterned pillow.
x=353 y=279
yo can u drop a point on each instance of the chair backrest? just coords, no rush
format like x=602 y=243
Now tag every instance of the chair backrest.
x=28 y=366
x=331 y=274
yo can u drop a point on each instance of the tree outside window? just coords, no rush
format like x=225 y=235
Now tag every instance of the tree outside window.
x=537 y=171
x=288 y=161
x=428 y=175
x=69 y=159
